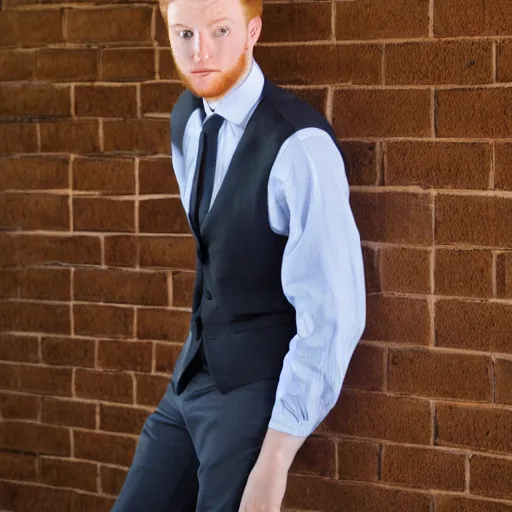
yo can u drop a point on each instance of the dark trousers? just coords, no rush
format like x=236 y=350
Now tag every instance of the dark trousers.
x=196 y=450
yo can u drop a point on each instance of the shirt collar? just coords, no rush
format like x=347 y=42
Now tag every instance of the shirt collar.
x=239 y=102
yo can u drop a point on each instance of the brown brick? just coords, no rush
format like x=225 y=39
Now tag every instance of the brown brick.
x=161 y=32
x=317 y=456
x=447 y=503
x=17 y=466
x=106 y=101
x=162 y=324
x=122 y=419
x=374 y=415
x=163 y=216
x=43 y=499
x=358 y=460
x=116 y=24
x=34 y=100
x=103 y=320
x=321 y=64
x=439 y=62
x=473 y=220
x=358 y=20
x=484 y=119
x=503 y=176
x=9 y=288
x=168 y=252
x=156 y=176
x=503 y=376
x=103 y=385
x=491 y=477
x=425 y=468
x=361 y=162
x=308 y=21
x=438 y=164
x=474 y=18
x=504 y=61
x=473 y=325
x=16 y=65
x=36 y=250
x=367 y=368
x=397 y=319
x=359 y=113
x=34 y=173
x=19 y=407
x=315 y=96
x=19 y=348
x=183 y=288
x=123 y=355
x=46 y=381
x=326 y=495
x=70 y=137
x=18 y=138
x=119 y=64
x=104 y=175
x=99 y=447
x=167 y=67
x=69 y=413
x=166 y=355
x=9 y=377
x=465 y=273
x=45 y=283
x=424 y=372
x=121 y=251
x=371 y=269
x=141 y=135
x=30 y=28
x=66 y=473
x=103 y=214
x=479 y=427
x=34 y=211
x=404 y=270
x=112 y=479
x=145 y=288
x=31 y=437
x=159 y=97
x=408 y=216
x=34 y=317
x=150 y=389
x=66 y=64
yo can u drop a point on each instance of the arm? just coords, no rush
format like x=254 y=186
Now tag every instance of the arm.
x=323 y=278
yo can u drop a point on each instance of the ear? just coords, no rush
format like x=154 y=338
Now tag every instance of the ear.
x=254 y=31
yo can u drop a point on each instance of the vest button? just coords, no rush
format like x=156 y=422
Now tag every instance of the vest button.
x=208 y=295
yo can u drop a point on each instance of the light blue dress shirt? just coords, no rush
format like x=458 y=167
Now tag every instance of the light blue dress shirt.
x=322 y=269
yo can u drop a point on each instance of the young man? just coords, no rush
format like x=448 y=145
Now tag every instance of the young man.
x=279 y=299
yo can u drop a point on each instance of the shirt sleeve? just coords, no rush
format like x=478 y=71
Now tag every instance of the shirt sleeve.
x=322 y=277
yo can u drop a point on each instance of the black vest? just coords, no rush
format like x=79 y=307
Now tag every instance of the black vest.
x=239 y=309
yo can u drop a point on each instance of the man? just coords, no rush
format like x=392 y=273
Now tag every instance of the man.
x=279 y=295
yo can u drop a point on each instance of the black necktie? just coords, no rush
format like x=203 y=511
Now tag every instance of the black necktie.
x=210 y=135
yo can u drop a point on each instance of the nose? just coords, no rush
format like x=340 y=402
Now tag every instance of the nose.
x=202 y=48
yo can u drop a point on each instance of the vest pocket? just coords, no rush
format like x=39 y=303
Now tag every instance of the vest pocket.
x=261 y=322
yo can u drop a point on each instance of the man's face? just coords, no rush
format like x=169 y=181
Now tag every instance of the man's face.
x=211 y=44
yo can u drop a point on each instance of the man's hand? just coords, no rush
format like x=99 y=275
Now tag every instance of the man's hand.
x=266 y=485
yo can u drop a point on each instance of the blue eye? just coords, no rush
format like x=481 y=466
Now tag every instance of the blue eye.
x=221 y=32
x=186 y=34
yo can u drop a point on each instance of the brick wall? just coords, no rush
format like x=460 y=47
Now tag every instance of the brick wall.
x=97 y=260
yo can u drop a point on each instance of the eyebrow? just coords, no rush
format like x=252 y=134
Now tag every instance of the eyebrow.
x=219 y=20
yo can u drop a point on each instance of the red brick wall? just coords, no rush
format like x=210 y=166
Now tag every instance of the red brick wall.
x=97 y=262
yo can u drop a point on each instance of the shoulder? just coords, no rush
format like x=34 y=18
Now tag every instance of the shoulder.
x=186 y=104
x=295 y=111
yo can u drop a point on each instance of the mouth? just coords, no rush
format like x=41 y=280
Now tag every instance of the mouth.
x=202 y=72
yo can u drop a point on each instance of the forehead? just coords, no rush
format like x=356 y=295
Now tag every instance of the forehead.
x=203 y=12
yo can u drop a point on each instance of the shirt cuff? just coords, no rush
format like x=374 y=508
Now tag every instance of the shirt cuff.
x=285 y=421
